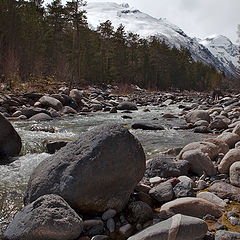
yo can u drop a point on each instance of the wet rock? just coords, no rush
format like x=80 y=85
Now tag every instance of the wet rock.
x=40 y=117
x=163 y=192
x=68 y=110
x=231 y=157
x=114 y=170
x=147 y=126
x=166 y=167
x=53 y=146
x=126 y=117
x=235 y=174
x=10 y=141
x=47 y=101
x=178 y=227
x=225 y=191
x=113 y=110
x=139 y=212
x=17 y=114
x=211 y=197
x=202 y=129
x=199 y=162
x=42 y=129
x=197 y=115
x=169 y=115
x=31 y=111
x=127 y=106
x=206 y=147
x=226 y=235
x=230 y=138
x=190 y=206
x=47 y=218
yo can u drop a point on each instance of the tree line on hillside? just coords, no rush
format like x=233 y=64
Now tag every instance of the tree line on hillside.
x=54 y=41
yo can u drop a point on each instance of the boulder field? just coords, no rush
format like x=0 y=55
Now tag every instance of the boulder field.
x=101 y=187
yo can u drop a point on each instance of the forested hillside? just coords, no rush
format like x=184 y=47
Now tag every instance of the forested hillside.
x=54 y=42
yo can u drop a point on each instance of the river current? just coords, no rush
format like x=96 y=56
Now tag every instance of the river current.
x=14 y=176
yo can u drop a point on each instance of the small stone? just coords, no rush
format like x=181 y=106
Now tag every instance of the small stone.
x=111 y=225
x=87 y=224
x=162 y=192
x=95 y=230
x=232 y=214
x=126 y=230
x=155 y=180
x=201 y=184
x=140 y=212
x=110 y=213
x=209 y=217
x=142 y=188
x=211 y=197
x=234 y=221
x=226 y=235
x=184 y=189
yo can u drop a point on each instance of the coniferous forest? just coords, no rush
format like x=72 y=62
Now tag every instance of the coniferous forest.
x=53 y=41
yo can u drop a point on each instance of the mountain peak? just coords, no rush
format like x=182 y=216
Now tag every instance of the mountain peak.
x=208 y=51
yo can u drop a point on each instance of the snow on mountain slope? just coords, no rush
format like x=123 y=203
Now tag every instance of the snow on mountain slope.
x=143 y=24
x=223 y=49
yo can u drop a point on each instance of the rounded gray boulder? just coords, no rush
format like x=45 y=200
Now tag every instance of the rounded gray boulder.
x=47 y=218
x=178 y=227
x=10 y=141
x=96 y=172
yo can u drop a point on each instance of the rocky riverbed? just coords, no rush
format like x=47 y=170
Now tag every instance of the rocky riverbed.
x=137 y=166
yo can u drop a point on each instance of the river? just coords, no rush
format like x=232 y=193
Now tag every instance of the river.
x=14 y=176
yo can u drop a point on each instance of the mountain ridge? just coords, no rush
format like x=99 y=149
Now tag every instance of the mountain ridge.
x=145 y=25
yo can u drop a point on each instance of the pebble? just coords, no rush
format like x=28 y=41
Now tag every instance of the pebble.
x=110 y=213
x=155 y=180
x=111 y=225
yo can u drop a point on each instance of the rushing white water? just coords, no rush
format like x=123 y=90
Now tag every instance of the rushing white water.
x=14 y=176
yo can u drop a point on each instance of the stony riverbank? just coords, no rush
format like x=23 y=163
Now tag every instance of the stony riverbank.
x=101 y=187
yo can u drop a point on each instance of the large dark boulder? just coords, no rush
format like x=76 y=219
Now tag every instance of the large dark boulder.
x=10 y=141
x=47 y=218
x=31 y=111
x=127 y=106
x=96 y=172
x=166 y=167
x=147 y=126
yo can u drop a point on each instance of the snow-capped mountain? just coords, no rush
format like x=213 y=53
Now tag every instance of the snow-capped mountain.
x=143 y=24
x=222 y=48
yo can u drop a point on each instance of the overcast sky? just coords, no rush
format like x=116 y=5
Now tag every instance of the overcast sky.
x=197 y=18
